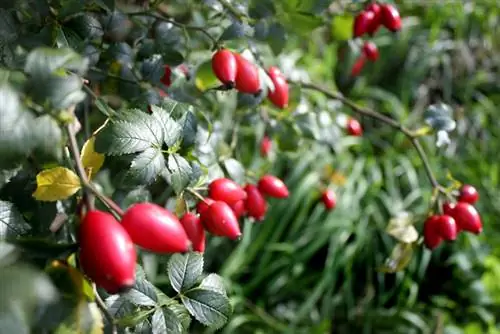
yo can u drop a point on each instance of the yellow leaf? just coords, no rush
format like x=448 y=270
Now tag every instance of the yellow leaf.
x=55 y=184
x=91 y=160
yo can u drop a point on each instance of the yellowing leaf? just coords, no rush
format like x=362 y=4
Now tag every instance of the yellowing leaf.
x=55 y=184
x=91 y=160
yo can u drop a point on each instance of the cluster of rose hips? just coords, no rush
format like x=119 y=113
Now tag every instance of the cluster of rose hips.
x=456 y=217
x=235 y=71
x=107 y=254
x=368 y=22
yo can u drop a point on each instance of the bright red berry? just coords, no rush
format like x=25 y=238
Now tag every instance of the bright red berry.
x=390 y=17
x=239 y=208
x=272 y=186
x=202 y=206
x=329 y=199
x=155 y=229
x=194 y=230
x=255 y=203
x=432 y=237
x=358 y=66
x=107 y=254
x=354 y=128
x=370 y=50
x=362 y=23
x=467 y=217
x=226 y=190
x=166 y=79
x=447 y=227
x=279 y=97
x=225 y=67
x=377 y=17
x=265 y=146
x=222 y=220
x=247 y=76
x=468 y=194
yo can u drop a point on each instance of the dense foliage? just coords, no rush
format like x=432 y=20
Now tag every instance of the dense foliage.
x=249 y=166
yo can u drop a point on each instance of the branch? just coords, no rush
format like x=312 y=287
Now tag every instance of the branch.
x=102 y=306
x=235 y=12
x=384 y=119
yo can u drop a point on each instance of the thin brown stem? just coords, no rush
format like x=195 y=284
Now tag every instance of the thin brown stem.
x=102 y=306
x=235 y=12
x=196 y=194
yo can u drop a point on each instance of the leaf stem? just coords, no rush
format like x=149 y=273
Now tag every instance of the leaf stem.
x=235 y=12
x=73 y=147
x=102 y=306
x=384 y=119
x=196 y=194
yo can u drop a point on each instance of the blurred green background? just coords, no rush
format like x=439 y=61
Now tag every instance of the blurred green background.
x=304 y=270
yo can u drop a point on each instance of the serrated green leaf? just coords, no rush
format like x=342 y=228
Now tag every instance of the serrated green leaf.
x=189 y=125
x=144 y=287
x=119 y=306
x=234 y=31
x=172 y=131
x=165 y=321
x=48 y=137
x=153 y=69
x=58 y=91
x=134 y=132
x=184 y=270
x=208 y=307
x=42 y=62
x=12 y=223
x=178 y=172
x=135 y=318
x=215 y=283
x=235 y=169
x=147 y=165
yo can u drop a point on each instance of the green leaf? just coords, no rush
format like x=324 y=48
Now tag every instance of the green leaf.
x=299 y=22
x=177 y=308
x=172 y=131
x=184 y=270
x=215 y=283
x=136 y=297
x=147 y=166
x=58 y=91
x=178 y=172
x=12 y=224
x=277 y=38
x=119 y=306
x=341 y=28
x=234 y=31
x=138 y=316
x=42 y=62
x=205 y=77
x=189 y=128
x=153 y=69
x=208 y=307
x=145 y=292
x=399 y=259
x=165 y=321
x=48 y=137
x=235 y=170
x=401 y=228
x=134 y=132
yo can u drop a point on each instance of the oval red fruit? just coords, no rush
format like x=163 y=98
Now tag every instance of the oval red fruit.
x=225 y=67
x=279 y=97
x=390 y=17
x=265 y=146
x=447 y=227
x=239 y=208
x=247 y=76
x=329 y=199
x=166 y=78
x=354 y=127
x=255 y=203
x=226 y=190
x=362 y=23
x=223 y=220
x=432 y=239
x=358 y=66
x=155 y=229
x=194 y=230
x=377 y=18
x=107 y=254
x=202 y=206
x=468 y=194
x=370 y=50
x=272 y=186
x=467 y=217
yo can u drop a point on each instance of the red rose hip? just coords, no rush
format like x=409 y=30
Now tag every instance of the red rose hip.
x=354 y=127
x=370 y=50
x=194 y=230
x=272 y=186
x=222 y=220
x=279 y=97
x=466 y=217
x=362 y=23
x=247 y=76
x=329 y=199
x=107 y=254
x=468 y=194
x=377 y=18
x=447 y=227
x=226 y=190
x=238 y=208
x=166 y=78
x=255 y=203
x=390 y=17
x=224 y=66
x=265 y=146
x=432 y=239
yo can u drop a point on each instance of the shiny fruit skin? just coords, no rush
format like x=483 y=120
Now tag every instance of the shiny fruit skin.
x=279 y=97
x=225 y=67
x=265 y=146
x=107 y=254
x=358 y=66
x=202 y=206
x=255 y=203
x=390 y=17
x=468 y=194
x=239 y=209
x=166 y=78
x=205 y=217
x=155 y=229
x=354 y=127
x=247 y=76
x=226 y=190
x=377 y=18
x=370 y=50
x=329 y=199
x=447 y=227
x=194 y=230
x=432 y=239
x=362 y=23
x=223 y=220
x=467 y=218
x=270 y=185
